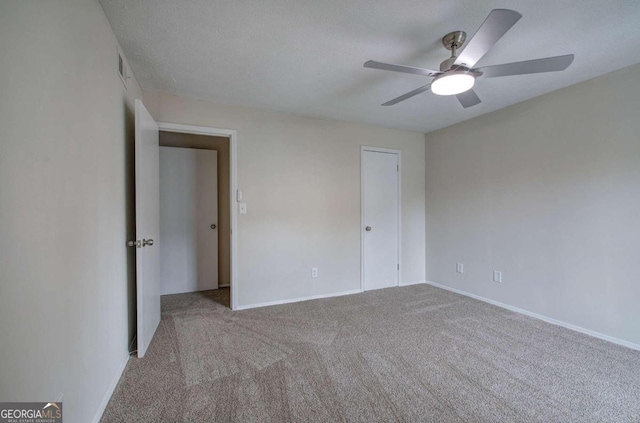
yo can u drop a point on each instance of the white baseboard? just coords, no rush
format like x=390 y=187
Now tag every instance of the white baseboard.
x=411 y=283
x=112 y=387
x=541 y=317
x=296 y=300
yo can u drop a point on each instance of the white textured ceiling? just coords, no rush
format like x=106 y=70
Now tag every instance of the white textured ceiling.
x=305 y=56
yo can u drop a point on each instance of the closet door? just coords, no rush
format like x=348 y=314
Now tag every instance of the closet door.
x=380 y=218
x=188 y=219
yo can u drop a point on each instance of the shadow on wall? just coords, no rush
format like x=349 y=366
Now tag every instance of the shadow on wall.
x=130 y=217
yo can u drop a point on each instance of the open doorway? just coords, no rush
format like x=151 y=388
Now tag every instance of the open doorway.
x=196 y=212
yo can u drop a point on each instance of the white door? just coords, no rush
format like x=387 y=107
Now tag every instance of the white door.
x=380 y=218
x=188 y=219
x=147 y=227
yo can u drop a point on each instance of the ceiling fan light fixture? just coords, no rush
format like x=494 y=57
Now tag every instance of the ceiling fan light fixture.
x=452 y=83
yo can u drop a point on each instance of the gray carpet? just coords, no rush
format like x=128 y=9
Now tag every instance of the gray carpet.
x=414 y=354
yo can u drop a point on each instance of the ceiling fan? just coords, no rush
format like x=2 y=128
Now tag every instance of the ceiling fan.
x=457 y=74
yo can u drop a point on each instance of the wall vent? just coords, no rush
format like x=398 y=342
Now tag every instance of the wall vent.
x=122 y=69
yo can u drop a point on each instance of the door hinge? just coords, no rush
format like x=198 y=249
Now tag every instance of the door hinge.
x=398 y=167
x=398 y=266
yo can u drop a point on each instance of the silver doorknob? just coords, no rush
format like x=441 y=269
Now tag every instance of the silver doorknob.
x=368 y=229
x=213 y=226
x=146 y=242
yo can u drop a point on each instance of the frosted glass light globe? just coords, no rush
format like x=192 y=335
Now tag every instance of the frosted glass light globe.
x=452 y=83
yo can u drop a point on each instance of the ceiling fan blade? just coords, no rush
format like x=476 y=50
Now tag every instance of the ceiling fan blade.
x=468 y=98
x=492 y=29
x=399 y=68
x=407 y=95
x=548 y=64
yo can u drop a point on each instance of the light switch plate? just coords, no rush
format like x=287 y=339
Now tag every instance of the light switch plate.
x=243 y=208
x=497 y=276
x=239 y=195
x=459 y=267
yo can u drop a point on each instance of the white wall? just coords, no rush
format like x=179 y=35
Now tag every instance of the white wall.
x=548 y=192
x=301 y=181
x=188 y=206
x=65 y=121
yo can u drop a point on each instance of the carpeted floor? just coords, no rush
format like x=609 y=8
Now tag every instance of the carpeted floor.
x=414 y=354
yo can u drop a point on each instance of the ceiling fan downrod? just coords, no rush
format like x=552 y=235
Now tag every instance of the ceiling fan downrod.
x=452 y=41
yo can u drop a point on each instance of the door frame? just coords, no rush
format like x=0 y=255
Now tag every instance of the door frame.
x=364 y=149
x=233 y=182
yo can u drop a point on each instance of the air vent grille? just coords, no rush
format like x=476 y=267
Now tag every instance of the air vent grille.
x=122 y=68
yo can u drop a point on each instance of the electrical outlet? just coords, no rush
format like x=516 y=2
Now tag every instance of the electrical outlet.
x=459 y=267
x=497 y=276
x=314 y=272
